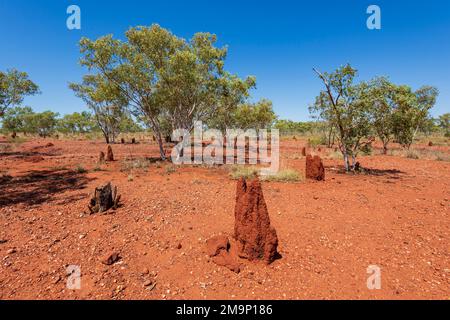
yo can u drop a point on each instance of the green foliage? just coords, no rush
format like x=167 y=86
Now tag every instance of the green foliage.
x=357 y=111
x=80 y=169
x=76 y=123
x=444 y=123
x=163 y=78
x=286 y=175
x=343 y=106
x=257 y=116
x=399 y=112
x=250 y=172
x=412 y=112
x=105 y=100
x=315 y=141
x=44 y=123
x=14 y=86
x=128 y=124
x=381 y=96
x=17 y=119
x=290 y=127
x=247 y=172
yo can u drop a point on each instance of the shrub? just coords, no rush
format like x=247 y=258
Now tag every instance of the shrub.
x=80 y=169
x=5 y=148
x=238 y=172
x=140 y=163
x=98 y=168
x=317 y=141
x=287 y=175
x=412 y=155
x=170 y=169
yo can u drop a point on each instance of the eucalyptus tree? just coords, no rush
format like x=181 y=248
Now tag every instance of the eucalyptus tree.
x=412 y=112
x=444 y=123
x=16 y=119
x=106 y=102
x=43 y=123
x=14 y=87
x=164 y=78
x=341 y=104
x=77 y=122
x=382 y=97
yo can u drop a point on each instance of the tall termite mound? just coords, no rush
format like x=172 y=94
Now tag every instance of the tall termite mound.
x=256 y=239
x=109 y=154
x=314 y=168
x=304 y=152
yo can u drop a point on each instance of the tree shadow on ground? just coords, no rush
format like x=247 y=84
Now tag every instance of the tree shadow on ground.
x=391 y=173
x=41 y=186
x=31 y=153
x=156 y=159
x=383 y=172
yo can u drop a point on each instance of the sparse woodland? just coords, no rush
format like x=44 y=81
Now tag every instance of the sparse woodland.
x=156 y=82
x=363 y=183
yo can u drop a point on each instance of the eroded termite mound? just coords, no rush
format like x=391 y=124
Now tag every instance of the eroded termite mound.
x=218 y=248
x=105 y=197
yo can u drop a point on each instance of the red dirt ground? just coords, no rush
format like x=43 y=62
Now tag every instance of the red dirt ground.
x=329 y=232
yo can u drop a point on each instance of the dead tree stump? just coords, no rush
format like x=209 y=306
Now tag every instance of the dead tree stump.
x=109 y=154
x=14 y=135
x=105 y=197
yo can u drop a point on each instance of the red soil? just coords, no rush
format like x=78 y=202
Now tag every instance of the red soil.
x=396 y=217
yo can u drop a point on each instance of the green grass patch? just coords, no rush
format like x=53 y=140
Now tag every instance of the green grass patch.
x=80 y=169
x=286 y=175
x=250 y=172
x=246 y=172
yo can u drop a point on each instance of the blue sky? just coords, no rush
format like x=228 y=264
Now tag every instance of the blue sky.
x=277 y=41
